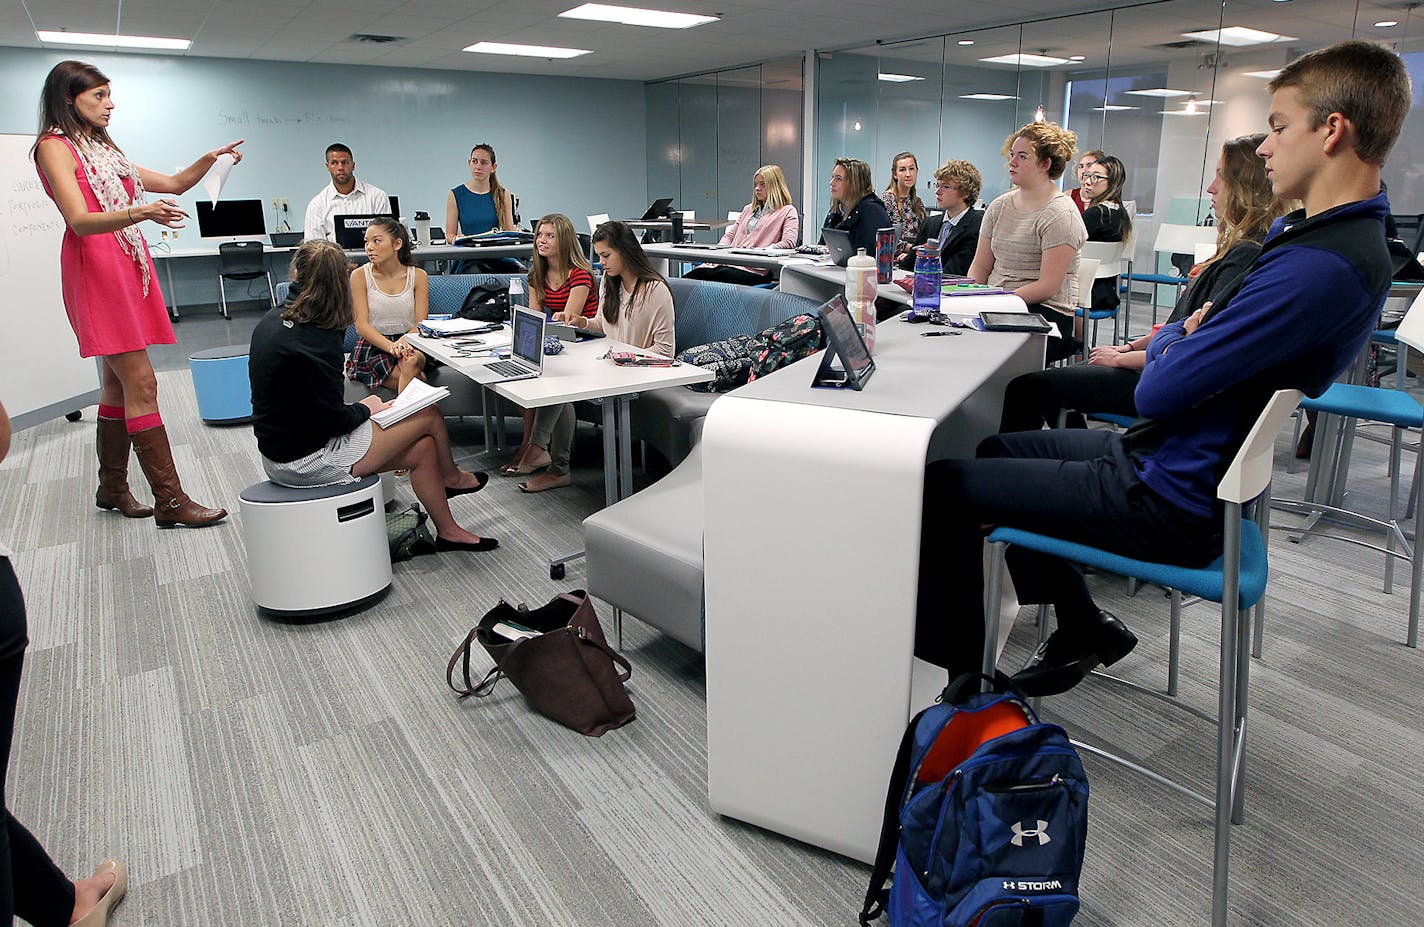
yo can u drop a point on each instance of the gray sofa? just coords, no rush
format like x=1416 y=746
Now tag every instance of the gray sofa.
x=706 y=312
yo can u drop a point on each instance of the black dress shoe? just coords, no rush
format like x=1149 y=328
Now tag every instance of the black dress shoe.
x=1066 y=657
x=480 y=546
x=480 y=475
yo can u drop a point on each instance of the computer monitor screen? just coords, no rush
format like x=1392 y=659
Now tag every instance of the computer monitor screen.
x=351 y=229
x=230 y=218
x=395 y=206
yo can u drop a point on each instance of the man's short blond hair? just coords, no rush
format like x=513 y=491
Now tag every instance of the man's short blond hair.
x=965 y=178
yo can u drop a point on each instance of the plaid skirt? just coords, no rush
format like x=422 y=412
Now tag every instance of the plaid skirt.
x=368 y=364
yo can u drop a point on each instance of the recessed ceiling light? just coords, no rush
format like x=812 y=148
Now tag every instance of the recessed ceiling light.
x=635 y=16
x=1264 y=75
x=966 y=41
x=525 y=51
x=987 y=96
x=113 y=41
x=1238 y=36
x=899 y=78
x=1024 y=59
x=1113 y=108
x=1077 y=57
x=1159 y=92
x=1386 y=23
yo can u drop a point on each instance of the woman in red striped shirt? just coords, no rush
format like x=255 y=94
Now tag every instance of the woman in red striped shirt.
x=561 y=283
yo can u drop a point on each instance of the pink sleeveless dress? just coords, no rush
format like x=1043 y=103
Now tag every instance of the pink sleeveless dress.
x=103 y=287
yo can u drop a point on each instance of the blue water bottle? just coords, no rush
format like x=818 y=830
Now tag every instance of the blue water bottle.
x=929 y=273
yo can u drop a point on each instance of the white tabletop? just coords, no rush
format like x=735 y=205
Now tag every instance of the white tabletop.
x=580 y=372
x=713 y=256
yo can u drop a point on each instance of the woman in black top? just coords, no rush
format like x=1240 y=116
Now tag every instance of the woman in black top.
x=1245 y=206
x=309 y=436
x=855 y=209
x=1105 y=217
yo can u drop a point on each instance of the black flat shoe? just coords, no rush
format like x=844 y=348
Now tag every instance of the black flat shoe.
x=480 y=546
x=1065 y=659
x=482 y=478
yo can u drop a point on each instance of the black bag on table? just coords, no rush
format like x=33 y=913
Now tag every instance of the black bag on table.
x=486 y=302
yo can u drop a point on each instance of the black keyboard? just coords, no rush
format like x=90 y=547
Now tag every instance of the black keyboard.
x=507 y=368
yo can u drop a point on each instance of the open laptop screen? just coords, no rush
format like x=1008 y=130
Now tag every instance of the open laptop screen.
x=528 y=336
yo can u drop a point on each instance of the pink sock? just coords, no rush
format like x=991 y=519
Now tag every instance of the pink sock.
x=143 y=422
x=109 y=413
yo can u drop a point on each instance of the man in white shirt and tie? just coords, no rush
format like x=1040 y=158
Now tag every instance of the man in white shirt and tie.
x=345 y=195
x=955 y=230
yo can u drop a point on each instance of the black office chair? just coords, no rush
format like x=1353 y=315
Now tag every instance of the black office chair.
x=242 y=260
x=1411 y=230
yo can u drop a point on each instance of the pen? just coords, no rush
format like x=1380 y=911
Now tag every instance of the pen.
x=938 y=334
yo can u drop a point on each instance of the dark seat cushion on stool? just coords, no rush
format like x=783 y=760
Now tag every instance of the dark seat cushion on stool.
x=270 y=493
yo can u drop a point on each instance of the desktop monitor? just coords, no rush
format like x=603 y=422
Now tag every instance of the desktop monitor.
x=231 y=219
x=658 y=209
x=395 y=206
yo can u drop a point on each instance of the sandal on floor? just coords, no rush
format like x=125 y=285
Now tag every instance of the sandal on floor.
x=518 y=470
x=566 y=481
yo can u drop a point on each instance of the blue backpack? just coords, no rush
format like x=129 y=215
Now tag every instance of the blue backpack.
x=985 y=820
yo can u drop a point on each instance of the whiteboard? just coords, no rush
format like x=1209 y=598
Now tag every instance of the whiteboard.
x=42 y=375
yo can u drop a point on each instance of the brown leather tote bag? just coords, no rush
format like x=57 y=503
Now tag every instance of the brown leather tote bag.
x=564 y=667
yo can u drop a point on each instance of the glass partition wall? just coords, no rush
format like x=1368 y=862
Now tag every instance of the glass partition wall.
x=708 y=134
x=1158 y=85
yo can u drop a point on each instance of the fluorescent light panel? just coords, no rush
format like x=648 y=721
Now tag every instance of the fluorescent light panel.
x=635 y=16
x=113 y=41
x=1264 y=75
x=987 y=96
x=525 y=51
x=1238 y=36
x=1113 y=108
x=1024 y=59
x=898 y=78
x=1159 y=92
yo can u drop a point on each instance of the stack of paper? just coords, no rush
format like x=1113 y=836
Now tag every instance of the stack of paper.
x=417 y=395
x=441 y=328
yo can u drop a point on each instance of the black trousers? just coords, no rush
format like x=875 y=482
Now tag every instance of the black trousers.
x=726 y=274
x=1034 y=400
x=1076 y=485
x=32 y=887
x=1058 y=348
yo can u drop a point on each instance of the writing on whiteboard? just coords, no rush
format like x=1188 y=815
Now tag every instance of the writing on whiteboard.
x=249 y=118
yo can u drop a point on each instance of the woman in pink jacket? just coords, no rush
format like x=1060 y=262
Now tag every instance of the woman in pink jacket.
x=768 y=221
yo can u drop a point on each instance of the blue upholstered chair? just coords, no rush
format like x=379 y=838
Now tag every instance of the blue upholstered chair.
x=1237 y=580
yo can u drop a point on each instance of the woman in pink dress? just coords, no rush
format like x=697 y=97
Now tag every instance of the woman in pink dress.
x=111 y=292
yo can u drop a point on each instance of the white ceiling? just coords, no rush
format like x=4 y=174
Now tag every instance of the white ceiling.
x=433 y=32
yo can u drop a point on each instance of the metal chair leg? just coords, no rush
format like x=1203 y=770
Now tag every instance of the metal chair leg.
x=1416 y=555
x=1226 y=717
x=1390 y=524
x=1174 y=644
x=991 y=613
x=222 y=293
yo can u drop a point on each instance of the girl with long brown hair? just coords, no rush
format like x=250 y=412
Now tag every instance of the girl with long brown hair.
x=902 y=201
x=111 y=292
x=390 y=297
x=308 y=435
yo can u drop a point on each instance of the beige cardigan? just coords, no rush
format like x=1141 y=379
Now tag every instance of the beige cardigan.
x=646 y=323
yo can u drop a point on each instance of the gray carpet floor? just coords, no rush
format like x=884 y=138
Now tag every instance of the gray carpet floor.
x=257 y=773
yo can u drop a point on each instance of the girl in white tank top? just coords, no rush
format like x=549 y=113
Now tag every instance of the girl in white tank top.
x=382 y=319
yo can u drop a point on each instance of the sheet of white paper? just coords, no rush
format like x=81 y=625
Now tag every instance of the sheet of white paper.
x=217 y=176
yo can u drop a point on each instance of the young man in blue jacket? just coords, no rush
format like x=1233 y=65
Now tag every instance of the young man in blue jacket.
x=1300 y=316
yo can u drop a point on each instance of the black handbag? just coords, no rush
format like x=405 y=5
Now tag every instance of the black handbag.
x=486 y=302
x=557 y=657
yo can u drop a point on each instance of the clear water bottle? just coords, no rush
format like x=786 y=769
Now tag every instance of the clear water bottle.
x=860 y=291
x=929 y=273
x=517 y=296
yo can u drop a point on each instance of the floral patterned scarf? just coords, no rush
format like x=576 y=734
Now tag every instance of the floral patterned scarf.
x=106 y=169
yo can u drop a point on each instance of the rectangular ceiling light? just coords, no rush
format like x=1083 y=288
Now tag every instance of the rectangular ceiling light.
x=1264 y=75
x=1113 y=108
x=987 y=96
x=899 y=78
x=525 y=51
x=634 y=16
x=1159 y=92
x=1026 y=60
x=113 y=41
x=1238 y=36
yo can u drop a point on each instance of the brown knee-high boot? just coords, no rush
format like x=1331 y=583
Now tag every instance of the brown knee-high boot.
x=172 y=507
x=112 y=443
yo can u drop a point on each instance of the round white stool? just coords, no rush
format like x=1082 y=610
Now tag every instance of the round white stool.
x=317 y=551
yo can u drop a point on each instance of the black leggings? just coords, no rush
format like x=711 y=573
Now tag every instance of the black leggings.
x=1034 y=400
x=32 y=887
x=1058 y=348
x=725 y=274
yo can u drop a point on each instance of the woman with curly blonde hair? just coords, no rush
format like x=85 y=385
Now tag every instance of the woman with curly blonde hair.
x=1030 y=238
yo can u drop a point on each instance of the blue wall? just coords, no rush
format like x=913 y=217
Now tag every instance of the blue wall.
x=565 y=145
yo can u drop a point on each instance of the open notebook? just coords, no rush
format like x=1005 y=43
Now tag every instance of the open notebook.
x=417 y=395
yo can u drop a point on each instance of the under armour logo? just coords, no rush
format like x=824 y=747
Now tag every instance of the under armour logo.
x=1041 y=832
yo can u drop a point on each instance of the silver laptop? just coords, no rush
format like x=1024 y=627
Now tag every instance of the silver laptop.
x=526 y=359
